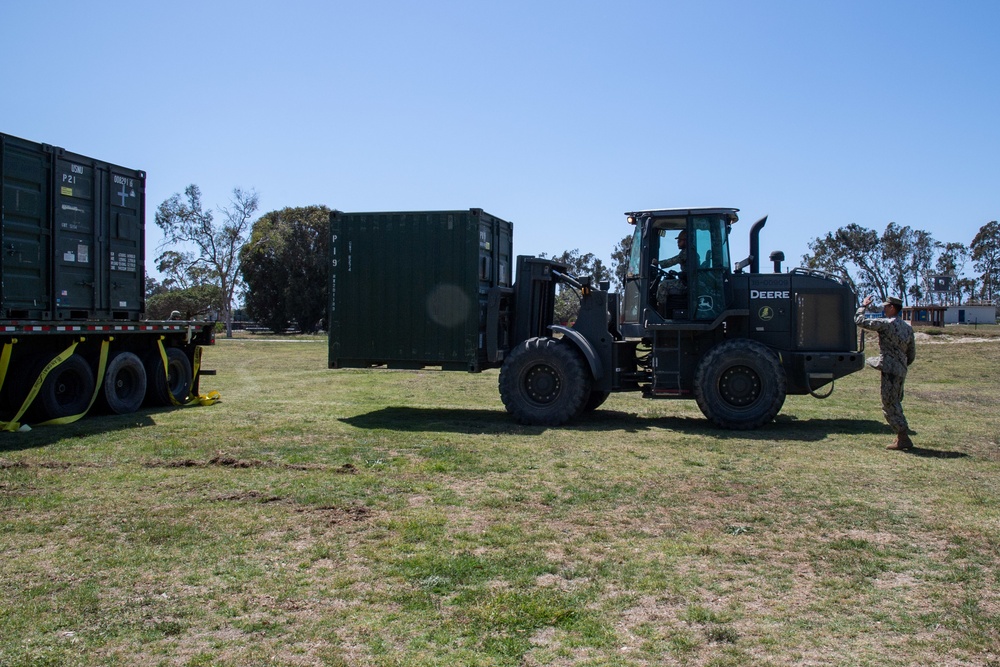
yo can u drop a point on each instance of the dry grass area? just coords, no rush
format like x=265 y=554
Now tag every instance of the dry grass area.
x=319 y=517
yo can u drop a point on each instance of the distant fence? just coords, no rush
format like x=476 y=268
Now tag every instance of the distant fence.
x=255 y=328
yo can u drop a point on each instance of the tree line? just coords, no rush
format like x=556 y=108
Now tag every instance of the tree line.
x=277 y=264
x=904 y=262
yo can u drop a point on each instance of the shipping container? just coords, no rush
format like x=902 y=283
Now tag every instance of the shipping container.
x=410 y=289
x=72 y=291
x=72 y=235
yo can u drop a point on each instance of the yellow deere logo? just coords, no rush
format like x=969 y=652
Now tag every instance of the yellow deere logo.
x=766 y=313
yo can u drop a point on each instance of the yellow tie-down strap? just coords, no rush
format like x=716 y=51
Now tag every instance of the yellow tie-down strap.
x=4 y=365
x=98 y=383
x=5 y=359
x=210 y=398
x=14 y=424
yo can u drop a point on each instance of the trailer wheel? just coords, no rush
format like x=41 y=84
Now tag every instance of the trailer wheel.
x=740 y=385
x=177 y=383
x=67 y=388
x=124 y=384
x=544 y=382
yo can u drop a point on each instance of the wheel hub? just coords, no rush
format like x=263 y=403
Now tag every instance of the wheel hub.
x=542 y=384
x=740 y=386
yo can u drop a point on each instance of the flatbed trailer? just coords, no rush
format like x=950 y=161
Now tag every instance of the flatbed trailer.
x=72 y=293
x=57 y=372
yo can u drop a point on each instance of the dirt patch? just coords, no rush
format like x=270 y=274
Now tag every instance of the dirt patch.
x=233 y=462
x=183 y=463
x=246 y=496
x=7 y=464
x=331 y=515
x=335 y=515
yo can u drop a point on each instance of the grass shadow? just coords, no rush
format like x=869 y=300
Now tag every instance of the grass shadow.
x=480 y=421
x=925 y=453
x=451 y=420
x=42 y=436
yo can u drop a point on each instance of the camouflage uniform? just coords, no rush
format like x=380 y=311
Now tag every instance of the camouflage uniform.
x=895 y=339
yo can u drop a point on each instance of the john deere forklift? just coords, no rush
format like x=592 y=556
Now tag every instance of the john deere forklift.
x=688 y=326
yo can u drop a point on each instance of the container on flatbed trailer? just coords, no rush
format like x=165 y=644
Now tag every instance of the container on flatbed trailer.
x=410 y=289
x=72 y=235
x=72 y=251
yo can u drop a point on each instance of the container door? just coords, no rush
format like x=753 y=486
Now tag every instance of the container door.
x=74 y=228
x=126 y=202
x=24 y=258
x=504 y=254
x=494 y=267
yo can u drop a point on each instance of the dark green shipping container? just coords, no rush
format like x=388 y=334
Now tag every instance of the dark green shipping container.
x=72 y=235
x=410 y=289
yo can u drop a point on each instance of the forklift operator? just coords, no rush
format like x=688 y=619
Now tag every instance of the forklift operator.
x=679 y=257
x=671 y=291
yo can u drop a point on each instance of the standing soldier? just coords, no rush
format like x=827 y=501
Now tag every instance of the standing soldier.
x=895 y=339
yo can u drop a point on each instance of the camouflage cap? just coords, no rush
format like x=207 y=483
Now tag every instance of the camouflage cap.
x=892 y=301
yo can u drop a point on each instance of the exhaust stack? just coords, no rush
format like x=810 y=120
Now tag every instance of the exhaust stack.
x=755 y=244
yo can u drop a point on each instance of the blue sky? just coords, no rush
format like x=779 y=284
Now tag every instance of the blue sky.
x=558 y=116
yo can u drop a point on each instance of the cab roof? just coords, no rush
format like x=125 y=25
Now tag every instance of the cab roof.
x=676 y=212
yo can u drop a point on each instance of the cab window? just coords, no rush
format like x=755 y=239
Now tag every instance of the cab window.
x=631 y=306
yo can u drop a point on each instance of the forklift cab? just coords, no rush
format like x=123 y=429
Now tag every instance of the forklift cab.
x=678 y=267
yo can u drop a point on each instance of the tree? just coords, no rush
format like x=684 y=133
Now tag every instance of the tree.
x=190 y=302
x=284 y=266
x=567 y=299
x=985 y=252
x=951 y=261
x=908 y=255
x=850 y=247
x=216 y=247
x=153 y=286
x=921 y=271
x=896 y=264
x=180 y=271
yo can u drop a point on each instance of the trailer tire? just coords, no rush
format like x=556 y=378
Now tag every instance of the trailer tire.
x=544 y=382
x=160 y=386
x=67 y=389
x=740 y=385
x=124 y=384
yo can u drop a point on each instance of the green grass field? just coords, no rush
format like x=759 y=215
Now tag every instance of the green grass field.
x=357 y=517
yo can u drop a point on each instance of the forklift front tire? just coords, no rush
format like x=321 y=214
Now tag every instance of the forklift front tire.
x=545 y=382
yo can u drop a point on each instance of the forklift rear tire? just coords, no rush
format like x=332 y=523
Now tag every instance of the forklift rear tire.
x=740 y=385
x=545 y=382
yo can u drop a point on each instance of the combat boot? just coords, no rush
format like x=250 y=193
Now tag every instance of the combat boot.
x=902 y=443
